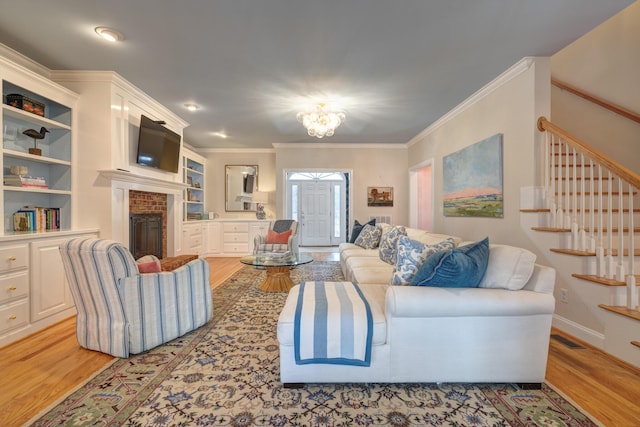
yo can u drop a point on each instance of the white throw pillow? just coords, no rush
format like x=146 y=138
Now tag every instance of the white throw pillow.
x=509 y=267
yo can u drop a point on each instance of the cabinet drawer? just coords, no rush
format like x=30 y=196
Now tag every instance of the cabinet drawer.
x=236 y=237
x=14 y=316
x=236 y=248
x=195 y=242
x=193 y=230
x=235 y=227
x=14 y=257
x=14 y=286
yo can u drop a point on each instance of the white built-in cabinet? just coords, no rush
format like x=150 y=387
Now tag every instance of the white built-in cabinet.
x=47 y=176
x=193 y=175
x=34 y=292
x=192 y=238
x=222 y=237
x=213 y=238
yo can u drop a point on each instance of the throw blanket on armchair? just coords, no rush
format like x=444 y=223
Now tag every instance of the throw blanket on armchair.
x=333 y=324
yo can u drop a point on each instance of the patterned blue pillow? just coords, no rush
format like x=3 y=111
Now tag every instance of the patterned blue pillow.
x=388 y=248
x=357 y=228
x=461 y=267
x=369 y=237
x=411 y=255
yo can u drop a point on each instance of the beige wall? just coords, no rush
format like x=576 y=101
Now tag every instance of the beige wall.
x=215 y=178
x=511 y=107
x=382 y=166
x=605 y=63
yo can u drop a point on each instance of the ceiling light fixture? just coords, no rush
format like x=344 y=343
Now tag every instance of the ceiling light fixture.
x=109 y=34
x=191 y=107
x=220 y=135
x=321 y=121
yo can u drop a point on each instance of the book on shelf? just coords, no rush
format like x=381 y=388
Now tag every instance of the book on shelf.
x=25 y=181
x=36 y=218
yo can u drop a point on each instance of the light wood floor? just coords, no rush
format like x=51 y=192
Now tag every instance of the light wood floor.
x=38 y=370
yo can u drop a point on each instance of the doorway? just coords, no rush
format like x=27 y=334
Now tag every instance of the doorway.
x=421 y=200
x=319 y=201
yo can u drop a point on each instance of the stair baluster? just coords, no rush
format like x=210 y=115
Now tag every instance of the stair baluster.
x=600 y=260
x=592 y=213
x=632 y=288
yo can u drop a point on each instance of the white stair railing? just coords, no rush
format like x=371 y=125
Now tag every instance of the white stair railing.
x=566 y=159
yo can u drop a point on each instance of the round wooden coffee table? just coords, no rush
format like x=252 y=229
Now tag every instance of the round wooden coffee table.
x=278 y=267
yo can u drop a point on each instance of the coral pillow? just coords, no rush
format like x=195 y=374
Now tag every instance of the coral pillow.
x=149 y=264
x=278 y=238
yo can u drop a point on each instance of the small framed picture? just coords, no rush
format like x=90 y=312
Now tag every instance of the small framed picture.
x=379 y=196
x=189 y=181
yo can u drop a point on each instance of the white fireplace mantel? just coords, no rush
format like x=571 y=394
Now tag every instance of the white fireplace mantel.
x=169 y=187
x=122 y=182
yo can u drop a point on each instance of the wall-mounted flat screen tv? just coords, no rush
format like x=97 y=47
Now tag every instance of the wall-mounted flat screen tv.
x=158 y=147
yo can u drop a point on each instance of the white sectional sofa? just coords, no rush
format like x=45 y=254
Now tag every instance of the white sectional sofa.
x=429 y=334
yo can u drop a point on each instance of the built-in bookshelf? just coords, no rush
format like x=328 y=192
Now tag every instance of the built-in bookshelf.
x=193 y=168
x=37 y=183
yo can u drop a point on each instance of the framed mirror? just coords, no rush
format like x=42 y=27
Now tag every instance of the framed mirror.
x=240 y=183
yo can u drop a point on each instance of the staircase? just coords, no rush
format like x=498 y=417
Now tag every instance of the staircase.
x=588 y=228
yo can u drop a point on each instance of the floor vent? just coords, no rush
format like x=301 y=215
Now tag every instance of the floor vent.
x=382 y=218
x=566 y=341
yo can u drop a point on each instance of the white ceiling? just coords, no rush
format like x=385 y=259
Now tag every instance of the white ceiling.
x=398 y=64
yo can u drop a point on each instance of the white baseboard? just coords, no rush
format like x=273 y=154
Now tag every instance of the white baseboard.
x=579 y=331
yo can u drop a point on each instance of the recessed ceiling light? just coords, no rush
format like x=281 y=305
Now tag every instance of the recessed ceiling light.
x=109 y=34
x=220 y=135
x=191 y=107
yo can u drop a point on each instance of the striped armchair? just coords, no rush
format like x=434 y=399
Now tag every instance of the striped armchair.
x=260 y=244
x=122 y=312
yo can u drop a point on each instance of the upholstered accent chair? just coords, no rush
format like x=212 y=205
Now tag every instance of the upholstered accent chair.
x=262 y=244
x=121 y=311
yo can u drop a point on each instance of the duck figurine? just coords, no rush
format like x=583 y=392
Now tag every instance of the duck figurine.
x=36 y=136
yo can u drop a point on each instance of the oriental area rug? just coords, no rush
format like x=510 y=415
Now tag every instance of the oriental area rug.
x=227 y=374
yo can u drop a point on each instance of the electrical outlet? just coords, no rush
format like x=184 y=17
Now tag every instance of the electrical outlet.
x=564 y=295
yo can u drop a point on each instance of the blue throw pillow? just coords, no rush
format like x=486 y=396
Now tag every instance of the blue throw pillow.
x=357 y=228
x=411 y=255
x=388 y=247
x=461 y=267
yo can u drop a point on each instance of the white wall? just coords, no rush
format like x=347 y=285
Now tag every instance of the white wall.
x=371 y=166
x=605 y=63
x=510 y=105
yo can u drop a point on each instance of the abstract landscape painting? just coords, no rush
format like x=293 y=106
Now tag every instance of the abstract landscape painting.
x=472 y=181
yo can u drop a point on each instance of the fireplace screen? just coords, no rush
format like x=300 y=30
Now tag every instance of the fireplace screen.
x=145 y=235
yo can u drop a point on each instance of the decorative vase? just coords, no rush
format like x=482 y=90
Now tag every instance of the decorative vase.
x=260 y=212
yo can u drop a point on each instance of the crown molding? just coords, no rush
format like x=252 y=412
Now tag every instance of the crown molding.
x=511 y=73
x=236 y=150
x=116 y=79
x=324 y=145
x=24 y=61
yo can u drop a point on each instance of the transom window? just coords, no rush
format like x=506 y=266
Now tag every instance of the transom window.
x=316 y=176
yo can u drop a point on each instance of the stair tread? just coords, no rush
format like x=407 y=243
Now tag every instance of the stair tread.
x=604 y=193
x=623 y=310
x=613 y=230
x=636 y=343
x=541 y=210
x=589 y=178
x=636 y=252
x=551 y=229
x=602 y=280
x=587 y=229
x=615 y=210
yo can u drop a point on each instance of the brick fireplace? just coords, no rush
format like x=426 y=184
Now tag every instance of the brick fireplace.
x=133 y=193
x=144 y=202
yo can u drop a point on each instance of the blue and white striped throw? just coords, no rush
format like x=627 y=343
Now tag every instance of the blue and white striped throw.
x=333 y=324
